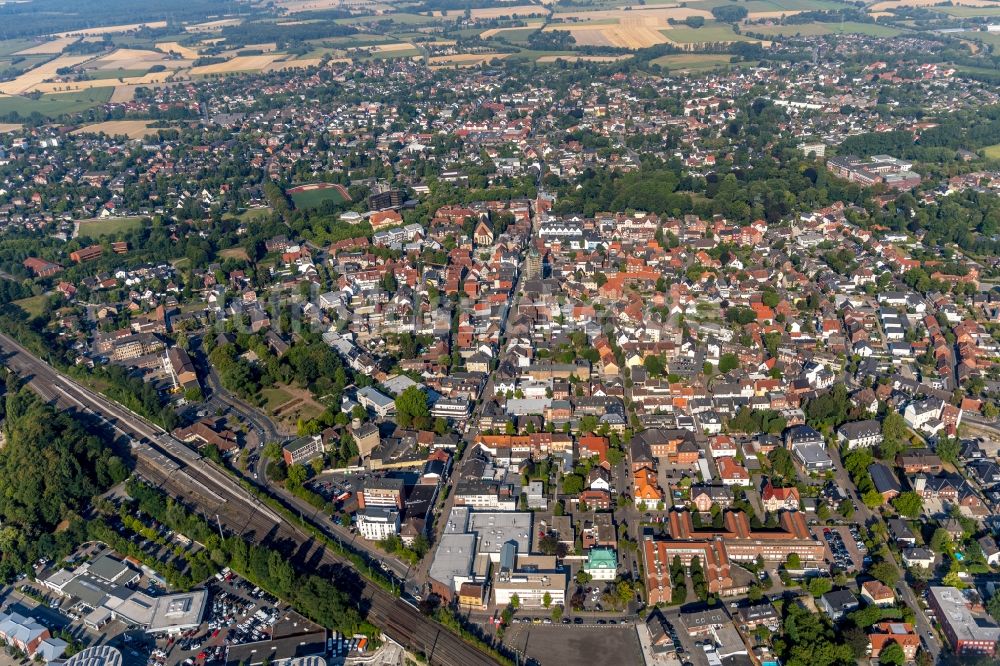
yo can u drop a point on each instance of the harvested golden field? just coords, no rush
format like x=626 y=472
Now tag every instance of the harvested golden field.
x=133 y=129
x=584 y=58
x=112 y=29
x=659 y=14
x=237 y=64
x=147 y=79
x=888 y=5
x=634 y=29
x=392 y=48
x=136 y=59
x=32 y=79
x=505 y=10
x=182 y=51
x=301 y=62
x=49 y=47
x=9 y=127
x=464 y=59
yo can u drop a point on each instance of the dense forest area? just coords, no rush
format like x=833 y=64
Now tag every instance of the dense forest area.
x=51 y=468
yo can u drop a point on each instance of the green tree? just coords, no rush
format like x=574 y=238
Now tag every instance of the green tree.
x=909 y=504
x=411 y=408
x=886 y=572
x=819 y=586
x=728 y=362
x=892 y=653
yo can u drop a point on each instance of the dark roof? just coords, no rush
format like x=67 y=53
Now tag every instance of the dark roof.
x=883 y=478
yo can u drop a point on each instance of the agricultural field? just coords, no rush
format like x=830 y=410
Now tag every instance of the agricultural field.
x=464 y=59
x=992 y=152
x=501 y=12
x=32 y=79
x=134 y=129
x=770 y=6
x=105 y=74
x=635 y=29
x=971 y=12
x=991 y=38
x=50 y=47
x=237 y=64
x=889 y=5
x=57 y=104
x=183 y=51
x=12 y=46
x=692 y=62
x=580 y=58
x=517 y=36
x=314 y=194
x=111 y=29
x=812 y=29
x=710 y=32
x=108 y=226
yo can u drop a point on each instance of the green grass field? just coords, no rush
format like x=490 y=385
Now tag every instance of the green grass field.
x=314 y=198
x=992 y=152
x=990 y=38
x=963 y=11
x=110 y=226
x=692 y=62
x=517 y=36
x=813 y=29
x=274 y=398
x=392 y=55
x=710 y=32
x=55 y=104
x=401 y=18
x=9 y=46
x=32 y=305
x=112 y=74
x=771 y=5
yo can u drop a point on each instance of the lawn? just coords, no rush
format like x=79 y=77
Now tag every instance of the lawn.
x=109 y=226
x=314 y=198
x=992 y=152
x=274 y=398
x=710 y=32
x=55 y=104
x=32 y=305
x=98 y=74
x=813 y=29
x=692 y=62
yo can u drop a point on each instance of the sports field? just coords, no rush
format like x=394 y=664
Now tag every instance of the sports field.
x=108 y=226
x=314 y=194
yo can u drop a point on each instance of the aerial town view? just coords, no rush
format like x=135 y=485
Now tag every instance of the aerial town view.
x=520 y=332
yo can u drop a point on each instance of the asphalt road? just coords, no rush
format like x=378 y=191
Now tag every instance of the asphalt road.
x=180 y=471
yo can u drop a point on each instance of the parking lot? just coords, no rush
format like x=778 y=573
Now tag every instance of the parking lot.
x=557 y=645
x=844 y=548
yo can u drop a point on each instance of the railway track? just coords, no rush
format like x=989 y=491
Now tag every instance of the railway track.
x=185 y=475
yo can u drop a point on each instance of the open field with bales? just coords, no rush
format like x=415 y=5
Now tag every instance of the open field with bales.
x=133 y=129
